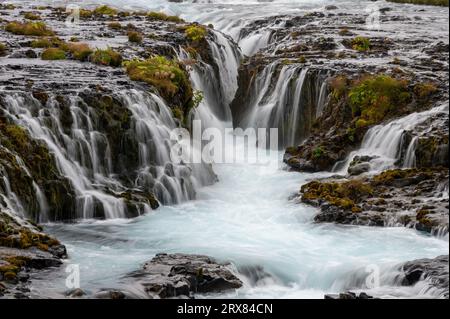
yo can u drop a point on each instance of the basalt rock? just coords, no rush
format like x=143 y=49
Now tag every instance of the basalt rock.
x=434 y=271
x=413 y=198
x=24 y=247
x=181 y=276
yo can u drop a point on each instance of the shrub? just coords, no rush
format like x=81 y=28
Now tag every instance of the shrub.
x=373 y=97
x=361 y=44
x=115 y=26
x=53 y=54
x=85 y=14
x=196 y=33
x=318 y=152
x=105 y=10
x=159 y=16
x=164 y=74
x=424 y=90
x=2 y=49
x=79 y=51
x=107 y=57
x=29 y=28
x=135 y=37
x=32 y=16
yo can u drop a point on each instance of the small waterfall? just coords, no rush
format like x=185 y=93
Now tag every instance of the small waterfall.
x=410 y=157
x=285 y=97
x=217 y=82
x=384 y=142
x=110 y=174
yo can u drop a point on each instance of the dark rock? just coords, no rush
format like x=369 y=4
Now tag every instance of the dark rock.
x=178 y=275
x=434 y=271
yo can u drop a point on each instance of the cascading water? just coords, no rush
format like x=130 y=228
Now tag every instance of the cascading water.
x=291 y=104
x=384 y=142
x=83 y=154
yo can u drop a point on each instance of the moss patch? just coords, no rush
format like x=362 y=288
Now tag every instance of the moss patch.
x=105 y=10
x=53 y=54
x=165 y=75
x=372 y=98
x=159 y=16
x=195 y=33
x=107 y=57
x=29 y=28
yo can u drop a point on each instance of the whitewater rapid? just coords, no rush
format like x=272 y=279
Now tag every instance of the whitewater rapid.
x=247 y=218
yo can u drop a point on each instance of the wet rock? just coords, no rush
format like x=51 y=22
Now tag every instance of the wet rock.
x=348 y=296
x=178 y=275
x=394 y=197
x=358 y=169
x=75 y=293
x=434 y=271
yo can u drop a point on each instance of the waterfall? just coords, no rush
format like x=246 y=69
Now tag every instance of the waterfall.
x=384 y=141
x=286 y=97
x=106 y=186
x=217 y=82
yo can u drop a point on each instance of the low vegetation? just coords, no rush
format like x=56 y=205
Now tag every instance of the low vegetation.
x=372 y=98
x=115 y=25
x=361 y=44
x=195 y=33
x=135 y=37
x=53 y=54
x=107 y=57
x=29 y=28
x=159 y=16
x=105 y=10
x=345 y=195
x=165 y=75
x=3 y=49
x=32 y=16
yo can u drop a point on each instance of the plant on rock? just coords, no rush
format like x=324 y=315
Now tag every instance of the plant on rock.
x=361 y=44
x=53 y=54
x=29 y=28
x=107 y=57
x=196 y=33
x=374 y=97
x=165 y=75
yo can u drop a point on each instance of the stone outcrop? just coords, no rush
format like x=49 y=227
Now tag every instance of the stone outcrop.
x=413 y=198
x=174 y=276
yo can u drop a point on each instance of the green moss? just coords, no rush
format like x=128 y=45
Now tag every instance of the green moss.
x=32 y=16
x=424 y=90
x=318 y=152
x=105 y=10
x=165 y=75
x=53 y=54
x=79 y=51
x=107 y=57
x=196 y=33
x=86 y=14
x=135 y=37
x=159 y=16
x=344 y=195
x=361 y=44
x=42 y=43
x=372 y=98
x=3 y=49
x=115 y=25
x=29 y=28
